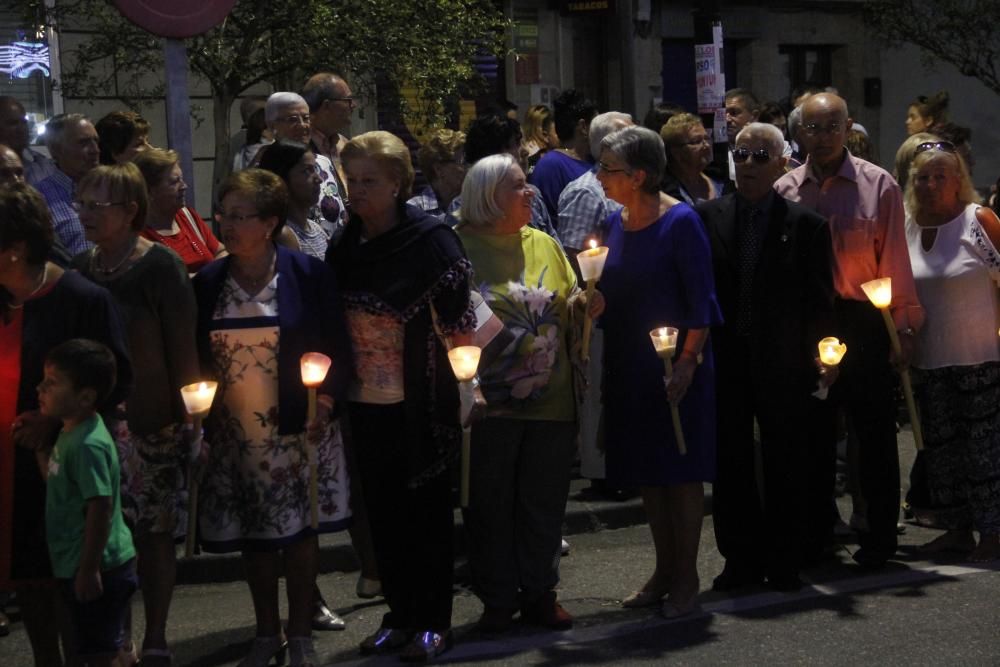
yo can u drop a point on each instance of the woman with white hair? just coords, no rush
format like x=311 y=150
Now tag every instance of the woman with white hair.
x=658 y=273
x=522 y=451
x=956 y=268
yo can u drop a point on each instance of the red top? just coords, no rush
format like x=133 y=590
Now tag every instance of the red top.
x=10 y=382
x=195 y=243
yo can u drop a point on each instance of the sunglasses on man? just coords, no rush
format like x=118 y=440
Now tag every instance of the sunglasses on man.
x=760 y=156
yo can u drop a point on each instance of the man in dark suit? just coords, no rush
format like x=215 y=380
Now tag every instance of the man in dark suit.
x=773 y=275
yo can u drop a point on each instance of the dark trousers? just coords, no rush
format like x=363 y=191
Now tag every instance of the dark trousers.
x=865 y=391
x=519 y=480
x=758 y=530
x=412 y=528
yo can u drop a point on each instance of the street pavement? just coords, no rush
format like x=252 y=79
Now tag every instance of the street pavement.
x=915 y=612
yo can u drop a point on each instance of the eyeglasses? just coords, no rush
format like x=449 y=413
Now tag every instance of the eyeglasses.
x=351 y=101
x=814 y=130
x=295 y=119
x=94 y=206
x=944 y=146
x=605 y=168
x=760 y=156
x=222 y=216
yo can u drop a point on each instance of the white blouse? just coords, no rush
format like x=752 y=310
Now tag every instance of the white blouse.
x=956 y=283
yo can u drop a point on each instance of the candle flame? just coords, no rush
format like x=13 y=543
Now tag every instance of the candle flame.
x=593 y=244
x=662 y=331
x=203 y=387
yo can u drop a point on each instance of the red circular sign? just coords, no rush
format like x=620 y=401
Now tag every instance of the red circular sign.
x=175 y=18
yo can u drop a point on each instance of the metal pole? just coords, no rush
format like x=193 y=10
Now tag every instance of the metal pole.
x=179 y=110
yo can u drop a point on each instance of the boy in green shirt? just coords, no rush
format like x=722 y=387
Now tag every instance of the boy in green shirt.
x=91 y=548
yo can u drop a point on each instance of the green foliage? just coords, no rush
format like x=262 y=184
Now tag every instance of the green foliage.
x=426 y=43
x=965 y=33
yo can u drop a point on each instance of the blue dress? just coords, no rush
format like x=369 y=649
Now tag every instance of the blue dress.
x=654 y=277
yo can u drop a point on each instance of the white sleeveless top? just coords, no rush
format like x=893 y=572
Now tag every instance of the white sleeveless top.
x=957 y=284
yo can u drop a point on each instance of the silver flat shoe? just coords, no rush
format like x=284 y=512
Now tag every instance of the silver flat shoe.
x=325 y=619
x=384 y=640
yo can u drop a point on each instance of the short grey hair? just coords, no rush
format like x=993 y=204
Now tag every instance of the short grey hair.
x=278 y=101
x=55 y=129
x=639 y=148
x=769 y=133
x=794 y=121
x=479 y=205
x=604 y=124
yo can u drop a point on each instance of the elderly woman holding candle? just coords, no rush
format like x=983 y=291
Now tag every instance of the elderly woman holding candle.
x=658 y=273
x=403 y=274
x=956 y=267
x=40 y=306
x=168 y=221
x=151 y=286
x=259 y=310
x=522 y=451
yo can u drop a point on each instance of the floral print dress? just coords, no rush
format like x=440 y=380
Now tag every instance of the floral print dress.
x=255 y=495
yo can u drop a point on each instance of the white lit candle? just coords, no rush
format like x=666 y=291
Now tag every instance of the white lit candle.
x=879 y=292
x=665 y=343
x=831 y=351
x=198 y=397
x=314 y=366
x=464 y=363
x=592 y=261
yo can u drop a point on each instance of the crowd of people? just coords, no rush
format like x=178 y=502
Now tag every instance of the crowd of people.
x=115 y=294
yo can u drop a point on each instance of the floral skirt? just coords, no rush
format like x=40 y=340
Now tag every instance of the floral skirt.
x=153 y=480
x=960 y=415
x=255 y=495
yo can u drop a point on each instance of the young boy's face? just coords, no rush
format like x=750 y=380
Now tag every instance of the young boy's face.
x=57 y=397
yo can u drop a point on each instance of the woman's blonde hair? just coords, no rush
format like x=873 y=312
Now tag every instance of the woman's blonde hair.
x=904 y=156
x=125 y=184
x=479 y=205
x=389 y=152
x=676 y=127
x=155 y=164
x=966 y=191
x=538 y=117
x=443 y=146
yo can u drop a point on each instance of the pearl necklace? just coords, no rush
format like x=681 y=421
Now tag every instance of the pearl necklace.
x=39 y=286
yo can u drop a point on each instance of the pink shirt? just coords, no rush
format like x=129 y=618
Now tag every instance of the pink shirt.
x=864 y=207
